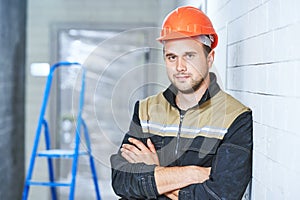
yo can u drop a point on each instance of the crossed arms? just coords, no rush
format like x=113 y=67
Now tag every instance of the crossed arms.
x=169 y=180
x=137 y=174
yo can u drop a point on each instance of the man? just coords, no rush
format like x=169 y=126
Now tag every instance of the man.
x=192 y=141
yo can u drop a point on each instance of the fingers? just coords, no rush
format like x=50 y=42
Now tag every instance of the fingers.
x=129 y=156
x=138 y=144
x=208 y=170
x=138 y=152
x=132 y=152
x=151 y=146
x=172 y=195
x=131 y=148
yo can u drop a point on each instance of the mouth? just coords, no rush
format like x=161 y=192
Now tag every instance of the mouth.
x=182 y=77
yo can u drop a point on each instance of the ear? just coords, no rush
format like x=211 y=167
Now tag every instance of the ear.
x=210 y=58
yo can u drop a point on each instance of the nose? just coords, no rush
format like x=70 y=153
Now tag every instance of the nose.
x=181 y=65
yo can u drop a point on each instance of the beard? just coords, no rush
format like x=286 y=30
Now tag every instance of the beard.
x=194 y=86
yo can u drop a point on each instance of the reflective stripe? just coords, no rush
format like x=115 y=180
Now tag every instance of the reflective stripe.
x=172 y=130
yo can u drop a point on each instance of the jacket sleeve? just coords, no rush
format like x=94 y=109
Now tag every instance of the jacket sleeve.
x=133 y=181
x=231 y=168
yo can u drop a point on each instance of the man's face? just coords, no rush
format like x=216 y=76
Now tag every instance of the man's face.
x=187 y=64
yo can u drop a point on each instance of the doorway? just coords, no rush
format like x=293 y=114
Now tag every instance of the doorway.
x=120 y=70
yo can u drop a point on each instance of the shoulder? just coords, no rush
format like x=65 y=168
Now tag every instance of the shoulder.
x=238 y=119
x=153 y=106
x=226 y=108
x=231 y=104
x=152 y=100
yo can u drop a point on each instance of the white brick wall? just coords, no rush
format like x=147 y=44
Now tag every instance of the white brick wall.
x=263 y=66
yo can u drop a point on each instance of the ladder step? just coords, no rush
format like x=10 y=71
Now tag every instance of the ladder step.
x=60 y=153
x=51 y=184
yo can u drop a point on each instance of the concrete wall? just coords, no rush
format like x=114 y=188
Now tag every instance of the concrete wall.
x=258 y=57
x=12 y=90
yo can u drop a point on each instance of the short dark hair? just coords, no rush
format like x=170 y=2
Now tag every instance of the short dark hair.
x=206 y=49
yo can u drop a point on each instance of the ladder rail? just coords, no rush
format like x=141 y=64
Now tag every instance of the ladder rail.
x=92 y=164
x=38 y=131
x=77 y=137
x=43 y=110
x=43 y=123
x=49 y=160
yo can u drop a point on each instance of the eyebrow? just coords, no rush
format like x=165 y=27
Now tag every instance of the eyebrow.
x=190 y=52
x=185 y=53
x=170 y=54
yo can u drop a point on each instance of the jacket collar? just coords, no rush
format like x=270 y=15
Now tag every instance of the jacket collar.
x=213 y=89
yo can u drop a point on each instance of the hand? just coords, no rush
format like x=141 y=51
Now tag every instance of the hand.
x=202 y=174
x=169 y=179
x=137 y=152
x=172 y=195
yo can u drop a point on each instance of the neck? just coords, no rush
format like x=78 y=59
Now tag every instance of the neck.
x=185 y=101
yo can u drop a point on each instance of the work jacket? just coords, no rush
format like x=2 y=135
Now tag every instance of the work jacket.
x=216 y=133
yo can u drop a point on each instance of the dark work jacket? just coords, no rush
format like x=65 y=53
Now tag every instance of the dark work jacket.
x=216 y=133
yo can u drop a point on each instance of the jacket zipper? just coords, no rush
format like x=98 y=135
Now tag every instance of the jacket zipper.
x=178 y=135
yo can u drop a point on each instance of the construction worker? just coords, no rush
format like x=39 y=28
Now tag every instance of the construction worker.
x=193 y=140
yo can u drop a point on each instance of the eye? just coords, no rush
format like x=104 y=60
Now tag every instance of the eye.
x=189 y=56
x=171 y=58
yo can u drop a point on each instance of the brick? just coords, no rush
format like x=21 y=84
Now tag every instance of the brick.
x=220 y=64
x=273 y=77
x=289 y=13
x=290 y=44
x=238 y=24
x=282 y=112
x=259 y=162
x=292 y=107
x=268 y=47
x=295 y=164
x=257 y=22
x=254 y=102
x=232 y=78
x=259 y=138
x=249 y=51
x=241 y=7
x=279 y=181
x=268 y=110
x=291 y=186
x=251 y=80
x=268 y=173
x=272 y=148
x=232 y=55
x=286 y=149
x=274 y=14
x=276 y=193
x=287 y=80
x=259 y=190
x=215 y=6
x=261 y=74
x=223 y=13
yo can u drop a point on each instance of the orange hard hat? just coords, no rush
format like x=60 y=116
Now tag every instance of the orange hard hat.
x=187 y=21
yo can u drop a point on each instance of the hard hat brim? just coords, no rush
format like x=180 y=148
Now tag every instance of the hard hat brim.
x=180 y=35
x=175 y=35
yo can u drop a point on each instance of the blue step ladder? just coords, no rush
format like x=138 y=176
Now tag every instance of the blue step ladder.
x=60 y=153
